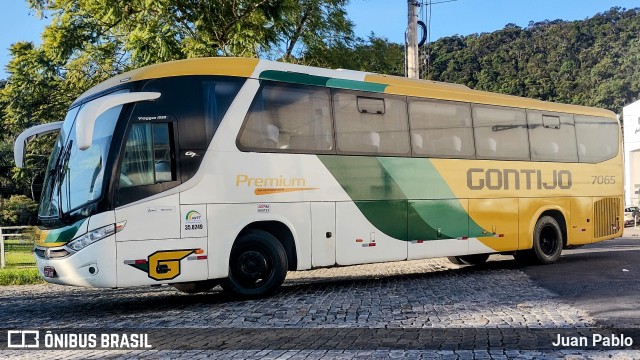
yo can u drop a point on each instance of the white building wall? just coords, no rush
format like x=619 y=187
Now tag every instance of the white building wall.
x=631 y=129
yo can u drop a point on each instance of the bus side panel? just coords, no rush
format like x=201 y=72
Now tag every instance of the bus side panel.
x=162 y=261
x=530 y=211
x=438 y=228
x=360 y=241
x=226 y=221
x=581 y=229
x=498 y=222
x=154 y=219
x=323 y=233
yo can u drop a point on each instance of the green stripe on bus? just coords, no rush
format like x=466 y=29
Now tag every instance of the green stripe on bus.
x=432 y=210
x=437 y=219
x=293 y=77
x=64 y=234
x=419 y=179
x=306 y=79
x=367 y=183
x=363 y=177
x=356 y=85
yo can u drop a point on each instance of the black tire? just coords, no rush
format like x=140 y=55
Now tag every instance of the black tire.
x=547 y=241
x=196 y=286
x=475 y=259
x=524 y=257
x=257 y=266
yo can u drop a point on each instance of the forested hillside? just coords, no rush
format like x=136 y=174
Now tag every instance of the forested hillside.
x=593 y=62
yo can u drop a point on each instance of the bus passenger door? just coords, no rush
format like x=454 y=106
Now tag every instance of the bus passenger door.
x=371 y=231
x=149 y=248
x=148 y=167
x=323 y=234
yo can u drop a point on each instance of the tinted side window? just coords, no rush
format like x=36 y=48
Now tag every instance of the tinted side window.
x=552 y=136
x=218 y=93
x=289 y=119
x=441 y=129
x=370 y=124
x=197 y=104
x=148 y=156
x=597 y=138
x=500 y=133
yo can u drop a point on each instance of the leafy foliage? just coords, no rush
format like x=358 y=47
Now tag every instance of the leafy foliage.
x=593 y=62
x=18 y=210
x=373 y=54
x=89 y=41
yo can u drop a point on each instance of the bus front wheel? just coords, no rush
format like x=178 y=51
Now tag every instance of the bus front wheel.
x=257 y=265
x=547 y=243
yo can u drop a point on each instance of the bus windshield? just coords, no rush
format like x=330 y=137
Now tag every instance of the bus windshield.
x=74 y=178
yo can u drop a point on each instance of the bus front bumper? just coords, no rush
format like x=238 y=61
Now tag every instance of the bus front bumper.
x=93 y=266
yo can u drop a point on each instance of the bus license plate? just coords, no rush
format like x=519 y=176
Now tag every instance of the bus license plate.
x=49 y=271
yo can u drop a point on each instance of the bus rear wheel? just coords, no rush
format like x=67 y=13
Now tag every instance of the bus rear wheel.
x=547 y=243
x=257 y=265
x=475 y=259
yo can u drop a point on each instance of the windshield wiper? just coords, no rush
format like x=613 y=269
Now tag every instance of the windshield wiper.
x=60 y=170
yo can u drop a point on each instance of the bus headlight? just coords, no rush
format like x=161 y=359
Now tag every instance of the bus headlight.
x=98 y=234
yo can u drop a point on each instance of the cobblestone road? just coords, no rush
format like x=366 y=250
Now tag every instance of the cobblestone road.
x=426 y=294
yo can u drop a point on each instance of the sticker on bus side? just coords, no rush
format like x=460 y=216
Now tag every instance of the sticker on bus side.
x=193 y=221
x=165 y=264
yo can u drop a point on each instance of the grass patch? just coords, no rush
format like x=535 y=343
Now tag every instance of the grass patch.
x=19 y=258
x=20 y=276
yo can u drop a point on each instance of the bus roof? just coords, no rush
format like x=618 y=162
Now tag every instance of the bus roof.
x=345 y=79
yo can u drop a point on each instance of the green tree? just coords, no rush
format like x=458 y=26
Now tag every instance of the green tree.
x=312 y=24
x=374 y=54
x=593 y=62
x=90 y=41
x=19 y=210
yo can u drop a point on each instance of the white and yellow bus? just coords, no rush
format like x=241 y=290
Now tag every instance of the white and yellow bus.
x=234 y=171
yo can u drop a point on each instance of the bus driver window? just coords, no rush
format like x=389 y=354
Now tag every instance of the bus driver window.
x=147 y=156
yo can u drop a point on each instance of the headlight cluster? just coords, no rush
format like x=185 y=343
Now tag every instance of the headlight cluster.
x=91 y=237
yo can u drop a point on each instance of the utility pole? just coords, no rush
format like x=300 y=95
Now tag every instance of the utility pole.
x=412 y=40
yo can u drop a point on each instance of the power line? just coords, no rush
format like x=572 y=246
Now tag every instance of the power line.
x=426 y=12
x=441 y=2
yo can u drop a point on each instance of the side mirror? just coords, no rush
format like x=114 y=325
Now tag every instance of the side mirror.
x=20 y=144
x=90 y=112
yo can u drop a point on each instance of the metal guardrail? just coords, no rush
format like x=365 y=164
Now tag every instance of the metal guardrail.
x=4 y=235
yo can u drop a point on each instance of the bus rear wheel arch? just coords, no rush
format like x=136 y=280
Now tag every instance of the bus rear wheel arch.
x=548 y=242
x=257 y=265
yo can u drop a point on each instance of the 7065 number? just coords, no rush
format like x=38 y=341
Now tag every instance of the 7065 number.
x=600 y=180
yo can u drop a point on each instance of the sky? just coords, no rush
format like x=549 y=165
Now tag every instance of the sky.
x=385 y=18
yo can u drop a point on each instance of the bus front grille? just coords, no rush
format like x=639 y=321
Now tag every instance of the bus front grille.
x=606 y=215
